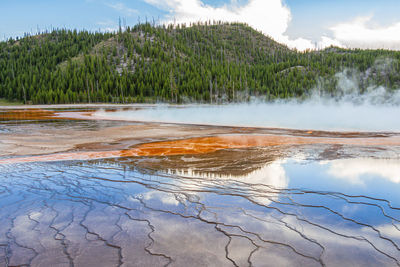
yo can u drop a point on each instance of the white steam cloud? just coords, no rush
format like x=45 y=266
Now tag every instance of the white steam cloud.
x=330 y=117
x=313 y=114
x=351 y=82
x=376 y=109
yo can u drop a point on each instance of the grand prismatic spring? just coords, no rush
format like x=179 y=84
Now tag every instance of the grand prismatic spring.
x=141 y=186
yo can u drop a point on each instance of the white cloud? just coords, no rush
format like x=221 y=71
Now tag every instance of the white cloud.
x=122 y=8
x=327 y=42
x=359 y=33
x=272 y=174
x=355 y=170
x=271 y=17
x=165 y=198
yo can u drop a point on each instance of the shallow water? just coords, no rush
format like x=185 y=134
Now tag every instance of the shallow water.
x=311 y=204
x=288 y=211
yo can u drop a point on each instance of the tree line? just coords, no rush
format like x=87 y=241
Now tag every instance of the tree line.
x=203 y=62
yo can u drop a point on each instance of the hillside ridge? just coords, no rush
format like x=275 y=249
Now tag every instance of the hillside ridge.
x=205 y=63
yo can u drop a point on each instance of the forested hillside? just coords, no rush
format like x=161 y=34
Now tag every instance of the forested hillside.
x=200 y=63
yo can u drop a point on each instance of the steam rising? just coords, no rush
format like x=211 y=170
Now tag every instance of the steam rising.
x=309 y=115
x=376 y=109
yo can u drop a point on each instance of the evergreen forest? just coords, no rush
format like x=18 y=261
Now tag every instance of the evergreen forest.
x=203 y=63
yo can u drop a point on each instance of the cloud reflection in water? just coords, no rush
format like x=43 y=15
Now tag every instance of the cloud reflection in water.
x=357 y=170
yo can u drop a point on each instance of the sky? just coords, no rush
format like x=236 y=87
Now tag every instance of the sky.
x=300 y=24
